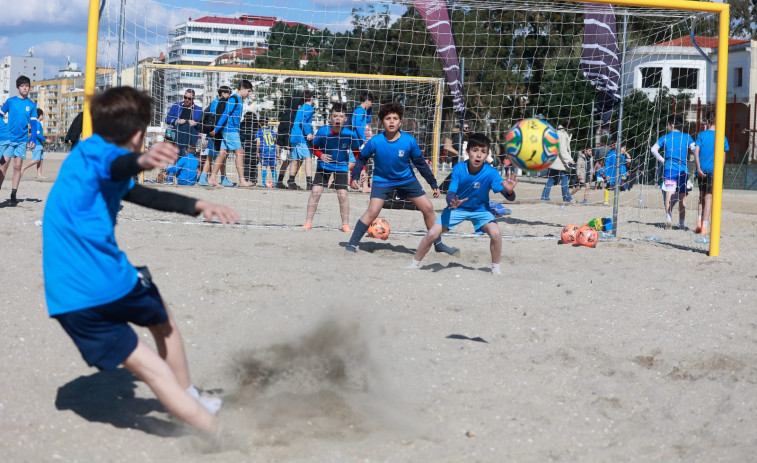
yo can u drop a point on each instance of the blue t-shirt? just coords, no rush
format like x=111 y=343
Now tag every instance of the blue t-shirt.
x=302 y=125
x=21 y=112
x=185 y=169
x=360 y=118
x=391 y=164
x=706 y=143
x=609 y=168
x=82 y=264
x=4 y=134
x=267 y=142
x=475 y=187
x=38 y=137
x=337 y=145
x=676 y=145
x=232 y=114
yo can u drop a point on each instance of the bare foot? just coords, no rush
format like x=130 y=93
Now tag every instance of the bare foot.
x=214 y=183
x=245 y=184
x=42 y=178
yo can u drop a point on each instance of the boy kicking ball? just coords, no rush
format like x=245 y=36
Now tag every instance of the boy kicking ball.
x=472 y=181
x=91 y=287
x=393 y=152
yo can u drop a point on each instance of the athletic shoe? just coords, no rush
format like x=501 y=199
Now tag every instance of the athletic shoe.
x=280 y=186
x=704 y=230
x=496 y=271
x=441 y=247
x=307 y=226
x=350 y=248
x=226 y=182
x=346 y=229
x=586 y=201
x=14 y=201
x=211 y=404
x=698 y=230
x=294 y=186
x=203 y=180
x=571 y=201
x=668 y=222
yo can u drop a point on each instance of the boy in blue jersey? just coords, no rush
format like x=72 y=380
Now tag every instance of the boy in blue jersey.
x=302 y=133
x=393 y=152
x=91 y=288
x=229 y=122
x=213 y=143
x=704 y=156
x=468 y=199
x=39 y=150
x=333 y=144
x=185 y=170
x=361 y=117
x=675 y=175
x=265 y=142
x=21 y=113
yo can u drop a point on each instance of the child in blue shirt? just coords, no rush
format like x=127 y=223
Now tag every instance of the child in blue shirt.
x=704 y=156
x=675 y=175
x=393 y=151
x=21 y=113
x=229 y=123
x=38 y=151
x=333 y=144
x=265 y=141
x=91 y=288
x=302 y=133
x=185 y=169
x=468 y=199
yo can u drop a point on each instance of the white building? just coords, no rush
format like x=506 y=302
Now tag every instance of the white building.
x=200 y=41
x=13 y=66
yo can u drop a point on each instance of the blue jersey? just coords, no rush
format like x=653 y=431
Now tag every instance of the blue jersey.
x=38 y=137
x=302 y=125
x=609 y=168
x=337 y=145
x=4 y=134
x=391 y=164
x=21 y=112
x=706 y=143
x=676 y=145
x=232 y=114
x=360 y=118
x=267 y=142
x=475 y=187
x=82 y=264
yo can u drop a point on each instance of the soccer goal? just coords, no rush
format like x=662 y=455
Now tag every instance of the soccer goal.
x=611 y=72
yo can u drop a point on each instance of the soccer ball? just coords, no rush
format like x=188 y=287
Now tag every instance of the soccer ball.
x=569 y=234
x=532 y=144
x=587 y=236
x=379 y=228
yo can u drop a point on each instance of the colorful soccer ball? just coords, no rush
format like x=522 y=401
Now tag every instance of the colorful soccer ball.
x=532 y=144
x=569 y=234
x=587 y=236
x=379 y=228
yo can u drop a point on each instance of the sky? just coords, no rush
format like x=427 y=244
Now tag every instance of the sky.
x=57 y=29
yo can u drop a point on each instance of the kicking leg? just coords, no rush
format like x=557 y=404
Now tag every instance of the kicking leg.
x=432 y=235
x=429 y=217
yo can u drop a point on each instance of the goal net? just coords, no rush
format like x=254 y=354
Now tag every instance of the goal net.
x=611 y=74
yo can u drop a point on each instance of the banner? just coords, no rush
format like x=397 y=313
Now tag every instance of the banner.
x=434 y=13
x=600 y=62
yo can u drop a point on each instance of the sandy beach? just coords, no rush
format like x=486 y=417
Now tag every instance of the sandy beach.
x=634 y=351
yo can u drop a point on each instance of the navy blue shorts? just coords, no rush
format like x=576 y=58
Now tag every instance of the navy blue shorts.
x=411 y=189
x=102 y=333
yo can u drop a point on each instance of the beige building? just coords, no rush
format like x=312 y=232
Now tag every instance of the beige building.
x=61 y=99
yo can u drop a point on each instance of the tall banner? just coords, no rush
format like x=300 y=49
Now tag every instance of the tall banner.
x=434 y=13
x=600 y=60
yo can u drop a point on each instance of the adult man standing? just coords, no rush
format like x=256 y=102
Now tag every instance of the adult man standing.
x=184 y=117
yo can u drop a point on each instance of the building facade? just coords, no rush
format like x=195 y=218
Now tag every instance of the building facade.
x=13 y=66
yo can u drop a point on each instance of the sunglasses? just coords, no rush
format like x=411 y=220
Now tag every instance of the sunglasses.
x=189 y=98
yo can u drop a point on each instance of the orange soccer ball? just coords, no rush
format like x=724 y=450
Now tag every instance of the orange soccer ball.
x=587 y=236
x=569 y=234
x=379 y=228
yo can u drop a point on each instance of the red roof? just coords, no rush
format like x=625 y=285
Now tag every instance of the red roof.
x=249 y=20
x=705 y=42
x=243 y=53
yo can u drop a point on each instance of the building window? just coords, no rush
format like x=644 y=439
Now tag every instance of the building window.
x=715 y=76
x=651 y=77
x=684 y=78
x=738 y=75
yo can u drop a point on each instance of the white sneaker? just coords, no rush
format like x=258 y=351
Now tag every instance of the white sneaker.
x=211 y=404
x=414 y=264
x=668 y=222
x=496 y=271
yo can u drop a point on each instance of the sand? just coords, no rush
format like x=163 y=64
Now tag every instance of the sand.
x=633 y=351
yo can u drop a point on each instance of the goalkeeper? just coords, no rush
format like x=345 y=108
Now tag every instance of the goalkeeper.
x=91 y=287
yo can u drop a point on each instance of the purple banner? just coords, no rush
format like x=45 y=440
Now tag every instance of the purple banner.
x=434 y=13
x=600 y=61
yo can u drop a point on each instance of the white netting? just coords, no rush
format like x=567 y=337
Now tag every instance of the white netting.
x=517 y=59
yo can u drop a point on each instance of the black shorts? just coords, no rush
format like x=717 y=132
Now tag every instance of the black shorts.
x=705 y=184
x=102 y=333
x=322 y=177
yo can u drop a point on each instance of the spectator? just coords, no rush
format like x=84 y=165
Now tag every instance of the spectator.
x=184 y=116
x=74 y=130
x=247 y=130
x=284 y=147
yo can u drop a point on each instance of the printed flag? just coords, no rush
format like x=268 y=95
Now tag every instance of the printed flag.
x=600 y=59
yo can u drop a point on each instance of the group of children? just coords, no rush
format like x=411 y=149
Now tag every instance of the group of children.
x=16 y=136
